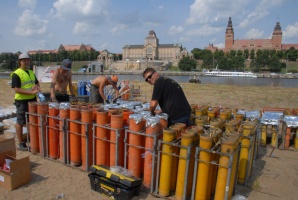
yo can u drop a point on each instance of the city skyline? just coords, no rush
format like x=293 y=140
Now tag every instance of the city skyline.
x=111 y=24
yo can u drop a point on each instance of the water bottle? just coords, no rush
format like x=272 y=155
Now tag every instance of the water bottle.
x=41 y=97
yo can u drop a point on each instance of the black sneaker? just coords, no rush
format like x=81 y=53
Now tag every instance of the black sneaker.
x=22 y=147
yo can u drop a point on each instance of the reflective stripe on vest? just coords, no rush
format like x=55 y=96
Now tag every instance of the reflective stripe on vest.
x=27 y=82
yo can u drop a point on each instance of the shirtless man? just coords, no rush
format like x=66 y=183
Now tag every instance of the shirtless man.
x=62 y=78
x=97 y=88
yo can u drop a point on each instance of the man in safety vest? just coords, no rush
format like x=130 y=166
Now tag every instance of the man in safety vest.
x=26 y=86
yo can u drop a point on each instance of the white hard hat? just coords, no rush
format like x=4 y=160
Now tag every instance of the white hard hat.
x=23 y=56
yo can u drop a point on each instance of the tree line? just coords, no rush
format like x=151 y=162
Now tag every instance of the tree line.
x=9 y=61
x=238 y=60
x=234 y=60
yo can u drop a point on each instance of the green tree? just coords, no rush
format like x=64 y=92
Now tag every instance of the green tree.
x=187 y=64
x=275 y=64
x=197 y=53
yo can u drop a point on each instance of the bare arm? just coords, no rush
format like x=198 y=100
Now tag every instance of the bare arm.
x=52 y=87
x=34 y=90
x=117 y=91
x=70 y=85
x=153 y=104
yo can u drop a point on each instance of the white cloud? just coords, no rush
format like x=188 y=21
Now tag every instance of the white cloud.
x=118 y=28
x=291 y=31
x=209 y=11
x=254 y=34
x=104 y=45
x=30 y=24
x=69 y=9
x=30 y=4
x=261 y=10
x=205 y=30
x=83 y=28
x=175 y=29
x=253 y=17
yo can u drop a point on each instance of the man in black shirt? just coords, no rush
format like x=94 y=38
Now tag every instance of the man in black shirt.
x=170 y=97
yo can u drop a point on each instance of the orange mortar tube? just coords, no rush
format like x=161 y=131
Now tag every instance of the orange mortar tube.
x=117 y=123
x=126 y=114
x=288 y=137
x=53 y=130
x=102 y=145
x=63 y=114
x=42 y=109
x=75 y=156
x=87 y=118
x=148 y=160
x=134 y=148
x=33 y=127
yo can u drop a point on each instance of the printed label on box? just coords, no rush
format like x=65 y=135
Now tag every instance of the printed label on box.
x=2 y=178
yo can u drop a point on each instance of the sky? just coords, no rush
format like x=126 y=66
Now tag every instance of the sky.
x=111 y=24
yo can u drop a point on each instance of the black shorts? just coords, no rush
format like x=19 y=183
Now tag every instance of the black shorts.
x=62 y=97
x=22 y=108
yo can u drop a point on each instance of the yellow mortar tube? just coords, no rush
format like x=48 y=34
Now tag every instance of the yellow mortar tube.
x=274 y=137
x=227 y=146
x=264 y=135
x=166 y=162
x=245 y=146
x=186 y=140
x=236 y=136
x=216 y=135
x=203 y=167
x=296 y=140
x=175 y=159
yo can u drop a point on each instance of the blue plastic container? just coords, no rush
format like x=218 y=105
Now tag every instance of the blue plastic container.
x=82 y=88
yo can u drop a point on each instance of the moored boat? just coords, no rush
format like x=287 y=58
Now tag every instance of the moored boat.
x=230 y=74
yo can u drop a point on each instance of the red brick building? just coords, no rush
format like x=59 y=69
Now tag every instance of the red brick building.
x=274 y=43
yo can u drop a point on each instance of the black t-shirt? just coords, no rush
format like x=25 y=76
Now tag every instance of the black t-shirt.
x=171 y=98
x=16 y=80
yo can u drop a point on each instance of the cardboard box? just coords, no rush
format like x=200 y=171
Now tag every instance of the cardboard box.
x=19 y=172
x=11 y=133
x=8 y=146
x=19 y=168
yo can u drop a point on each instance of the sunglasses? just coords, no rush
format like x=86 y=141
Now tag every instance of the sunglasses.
x=149 y=77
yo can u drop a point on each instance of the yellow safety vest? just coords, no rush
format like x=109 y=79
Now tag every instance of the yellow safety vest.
x=27 y=82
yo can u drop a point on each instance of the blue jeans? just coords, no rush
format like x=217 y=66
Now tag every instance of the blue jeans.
x=185 y=120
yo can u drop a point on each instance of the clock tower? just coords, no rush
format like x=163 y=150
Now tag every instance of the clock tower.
x=229 y=39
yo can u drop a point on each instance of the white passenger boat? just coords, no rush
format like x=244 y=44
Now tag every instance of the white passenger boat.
x=230 y=74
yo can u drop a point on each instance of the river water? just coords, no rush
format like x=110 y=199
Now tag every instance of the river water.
x=282 y=82
x=212 y=80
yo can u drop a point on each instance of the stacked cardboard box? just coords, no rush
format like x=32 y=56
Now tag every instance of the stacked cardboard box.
x=19 y=173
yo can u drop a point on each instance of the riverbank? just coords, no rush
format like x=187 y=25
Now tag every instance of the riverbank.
x=241 y=97
x=173 y=73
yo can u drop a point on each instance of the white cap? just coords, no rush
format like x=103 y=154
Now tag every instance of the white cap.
x=23 y=56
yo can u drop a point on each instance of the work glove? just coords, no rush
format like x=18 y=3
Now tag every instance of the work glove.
x=74 y=98
x=115 y=100
x=107 y=101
